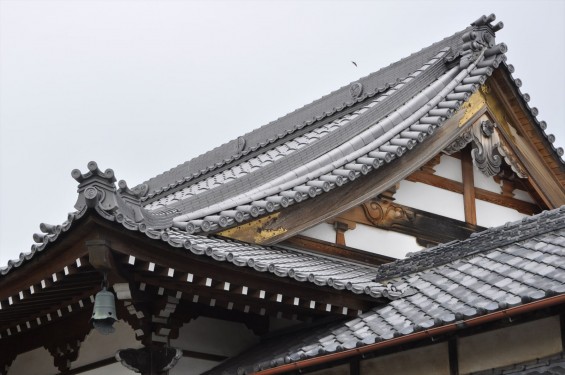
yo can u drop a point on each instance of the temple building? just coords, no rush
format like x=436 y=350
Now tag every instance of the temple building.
x=412 y=222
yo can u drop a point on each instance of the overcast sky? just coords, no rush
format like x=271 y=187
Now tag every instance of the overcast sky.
x=141 y=86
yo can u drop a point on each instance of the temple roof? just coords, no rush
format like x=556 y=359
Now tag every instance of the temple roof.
x=335 y=140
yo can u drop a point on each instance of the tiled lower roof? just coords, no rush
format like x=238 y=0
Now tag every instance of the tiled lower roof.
x=288 y=262
x=489 y=279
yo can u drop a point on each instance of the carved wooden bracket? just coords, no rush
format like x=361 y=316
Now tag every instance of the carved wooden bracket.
x=388 y=194
x=429 y=167
x=485 y=153
x=341 y=226
x=385 y=213
x=488 y=149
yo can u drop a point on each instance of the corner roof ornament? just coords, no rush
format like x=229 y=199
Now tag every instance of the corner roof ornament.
x=97 y=190
x=481 y=38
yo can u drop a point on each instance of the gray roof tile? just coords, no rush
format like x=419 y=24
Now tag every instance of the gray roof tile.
x=483 y=280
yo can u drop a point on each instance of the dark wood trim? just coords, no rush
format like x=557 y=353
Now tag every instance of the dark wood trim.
x=428 y=228
x=204 y=356
x=355 y=366
x=482 y=194
x=562 y=324
x=453 y=356
x=344 y=252
x=468 y=187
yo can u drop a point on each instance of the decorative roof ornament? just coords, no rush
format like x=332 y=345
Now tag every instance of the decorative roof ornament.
x=481 y=38
x=240 y=145
x=356 y=89
x=97 y=190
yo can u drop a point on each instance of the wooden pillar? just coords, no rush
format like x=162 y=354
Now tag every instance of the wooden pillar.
x=453 y=356
x=468 y=186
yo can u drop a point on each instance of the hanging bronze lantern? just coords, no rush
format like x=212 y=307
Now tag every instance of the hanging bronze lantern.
x=104 y=314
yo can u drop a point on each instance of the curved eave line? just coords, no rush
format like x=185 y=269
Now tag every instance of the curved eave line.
x=349 y=166
x=259 y=258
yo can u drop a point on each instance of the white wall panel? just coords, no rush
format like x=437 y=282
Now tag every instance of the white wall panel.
x=380 y=241
x=493 y=215
x=322 y=231
x=449 y=167
x=484 y=182
x=431 y=199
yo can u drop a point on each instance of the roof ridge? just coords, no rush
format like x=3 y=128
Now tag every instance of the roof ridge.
x=478 y=242
x=320 y=113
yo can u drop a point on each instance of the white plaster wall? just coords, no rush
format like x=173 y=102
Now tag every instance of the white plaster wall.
x=380 y=241
x=493 y=215
x=322 y=231
x=433 y=359
x=484 y=182
x=97 y=346
x=34 y=362
x=215 y=336
x=431 y=199
x=449 y=167
x=504 y=347
x=523 y=196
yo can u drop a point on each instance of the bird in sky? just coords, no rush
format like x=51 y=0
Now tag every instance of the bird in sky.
x=354 y=63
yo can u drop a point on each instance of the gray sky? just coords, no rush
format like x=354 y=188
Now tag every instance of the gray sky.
x=141 y=86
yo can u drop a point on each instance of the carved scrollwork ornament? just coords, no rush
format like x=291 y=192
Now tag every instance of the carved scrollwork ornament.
x=385 y=212
x=458 y=144
x=485 y=151
x=511 y=160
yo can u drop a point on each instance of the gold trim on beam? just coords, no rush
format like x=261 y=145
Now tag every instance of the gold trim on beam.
x=255 y=231
x=472 y=107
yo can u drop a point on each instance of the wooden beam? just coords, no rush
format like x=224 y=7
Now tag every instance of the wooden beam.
x=427 y=227
x=482 y=194
x=345 y=252
x=468 y=186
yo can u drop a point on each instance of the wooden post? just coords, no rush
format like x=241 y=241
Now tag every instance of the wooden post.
x=468 y=186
